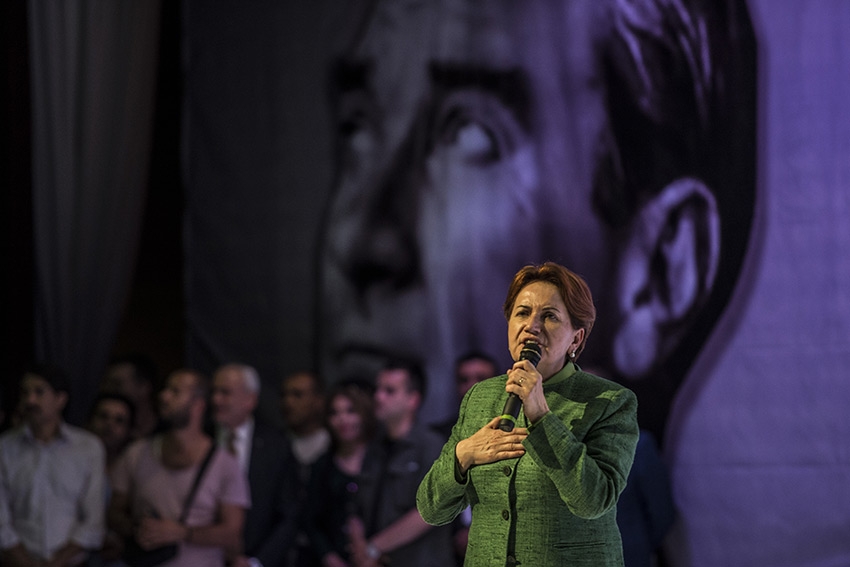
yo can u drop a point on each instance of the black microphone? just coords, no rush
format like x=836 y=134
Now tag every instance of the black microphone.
x=530 y=351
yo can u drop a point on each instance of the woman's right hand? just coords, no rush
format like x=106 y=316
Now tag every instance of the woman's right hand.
x=490 y=444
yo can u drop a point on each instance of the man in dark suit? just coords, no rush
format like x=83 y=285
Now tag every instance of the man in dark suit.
x=266 y=459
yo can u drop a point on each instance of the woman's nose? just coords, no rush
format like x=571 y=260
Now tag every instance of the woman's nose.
x=534 y=325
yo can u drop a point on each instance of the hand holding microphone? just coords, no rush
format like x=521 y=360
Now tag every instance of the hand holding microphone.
x=531 y=352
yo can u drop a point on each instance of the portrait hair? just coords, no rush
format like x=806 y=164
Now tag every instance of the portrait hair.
x=681 y=78
x=573 y=291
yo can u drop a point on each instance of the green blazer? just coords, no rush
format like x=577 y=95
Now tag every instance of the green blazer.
x=555 y=505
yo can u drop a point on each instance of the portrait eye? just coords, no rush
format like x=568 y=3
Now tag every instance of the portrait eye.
x=471 y=138
x=476 y=126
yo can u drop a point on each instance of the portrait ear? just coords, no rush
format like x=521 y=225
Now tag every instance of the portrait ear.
x=666 y=273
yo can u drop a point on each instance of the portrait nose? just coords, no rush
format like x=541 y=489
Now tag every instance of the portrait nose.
x=381 y=248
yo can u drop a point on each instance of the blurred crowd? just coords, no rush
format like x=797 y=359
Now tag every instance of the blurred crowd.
x=182 y=471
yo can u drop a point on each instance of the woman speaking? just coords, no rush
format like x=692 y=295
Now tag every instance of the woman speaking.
x=544 y=493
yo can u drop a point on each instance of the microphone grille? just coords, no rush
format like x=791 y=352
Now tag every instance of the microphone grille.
x=530 y=351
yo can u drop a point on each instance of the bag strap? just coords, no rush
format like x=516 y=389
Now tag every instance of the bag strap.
x=191 y=497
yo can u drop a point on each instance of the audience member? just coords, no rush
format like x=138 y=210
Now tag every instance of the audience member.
x=152 y=481
x=267 y=461
x=134 y=376
x=302 y=406
x=471 y=368
x=334 y=482
x=392 y=529
x=111 y=418
x=52 y=480
x=645 y=511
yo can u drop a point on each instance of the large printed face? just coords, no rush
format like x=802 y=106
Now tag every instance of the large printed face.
x=466 y=152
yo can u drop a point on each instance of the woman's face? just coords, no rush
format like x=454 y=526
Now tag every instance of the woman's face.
x=539 y=315
x=345 y=423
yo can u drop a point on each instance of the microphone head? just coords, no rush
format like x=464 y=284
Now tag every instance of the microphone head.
x=530 y=351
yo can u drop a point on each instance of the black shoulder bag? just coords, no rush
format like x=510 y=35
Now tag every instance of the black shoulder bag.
x=135 y=556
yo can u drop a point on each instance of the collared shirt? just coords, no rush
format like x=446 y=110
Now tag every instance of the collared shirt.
x=51 y=493
x=243 y=436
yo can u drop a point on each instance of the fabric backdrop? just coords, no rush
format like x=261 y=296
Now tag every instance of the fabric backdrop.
x=756 y=440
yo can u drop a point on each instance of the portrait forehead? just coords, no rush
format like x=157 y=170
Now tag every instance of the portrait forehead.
x=483 y=31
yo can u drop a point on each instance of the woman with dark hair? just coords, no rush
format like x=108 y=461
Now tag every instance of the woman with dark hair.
x=544 y=493
x=333 y=486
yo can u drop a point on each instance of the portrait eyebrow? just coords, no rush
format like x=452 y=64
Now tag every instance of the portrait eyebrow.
x=510 y=86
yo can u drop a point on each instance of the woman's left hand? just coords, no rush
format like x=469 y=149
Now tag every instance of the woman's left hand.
x=526 y=382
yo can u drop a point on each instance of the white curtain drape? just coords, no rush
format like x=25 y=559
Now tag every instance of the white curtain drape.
x=93 y=70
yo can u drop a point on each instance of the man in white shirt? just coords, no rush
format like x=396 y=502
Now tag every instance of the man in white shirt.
x=266 y=460
x=302 y=404
x=52 y=480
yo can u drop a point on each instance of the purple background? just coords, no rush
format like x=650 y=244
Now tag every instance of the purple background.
x=758 y=440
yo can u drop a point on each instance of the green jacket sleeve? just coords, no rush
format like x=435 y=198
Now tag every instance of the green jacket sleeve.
x=442 y=493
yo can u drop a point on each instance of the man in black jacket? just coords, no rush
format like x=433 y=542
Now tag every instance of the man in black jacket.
x=266 y=459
